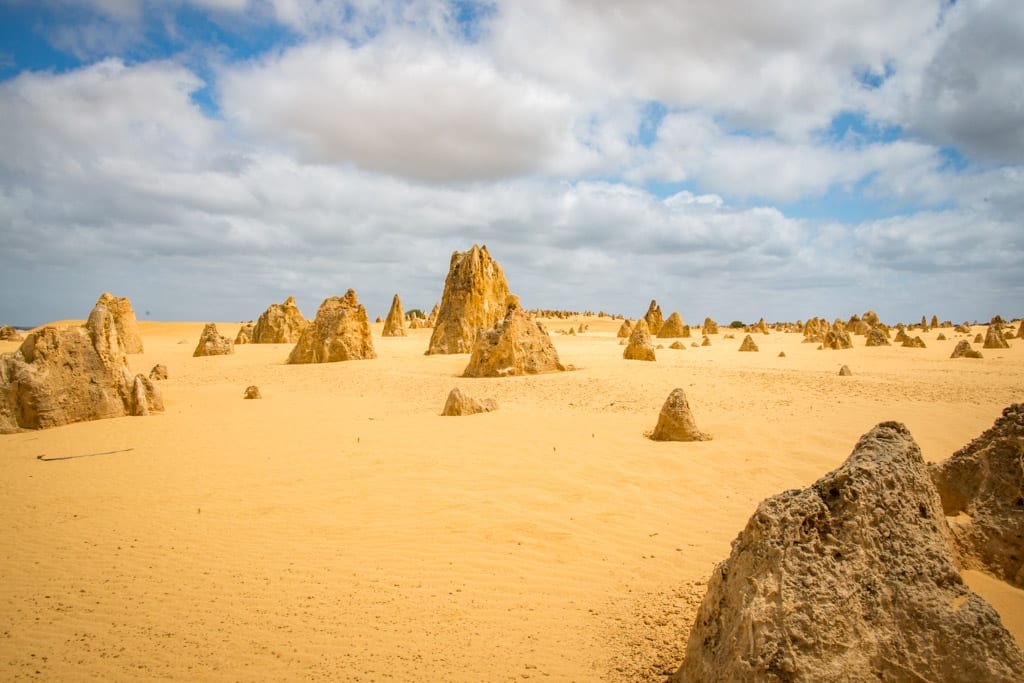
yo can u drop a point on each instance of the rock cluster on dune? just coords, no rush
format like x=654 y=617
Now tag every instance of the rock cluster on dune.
x=394 y=324
x=673 y=328
x=877 y=337
x=280 y=324
x=982 y=490
x=653 y=317
x=518 y=345
x=120 y=311
x=459 y=403
x=837 y=338
x=211 y=343
x=8 y=333
x=675 y=421
x=340 y=331
x=639 y=346
x=963 y=350
x=748 y=344
x=475 y=296
x=850 y=579
x=73 y=374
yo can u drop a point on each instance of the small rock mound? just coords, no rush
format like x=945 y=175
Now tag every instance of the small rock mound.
x=994 y=338
x=518 y=345
x=244 y=335
x=341 y=331
x=640 y=346
x=211 y=343
x=675 y=422
x=852 y=578
x=982 y=487
x=158 y=372
x=459 y=403
x=673 y=328
x=845 y=371
x=963 y=350
x=280 y=324
x=252 y=391
x=678 y=345
x=706 y=341
x=941 y=337
x=394 y=324
x=748 y=344
x=8 y=333
x=782 y=354
x=475 y=297
x=914 y=343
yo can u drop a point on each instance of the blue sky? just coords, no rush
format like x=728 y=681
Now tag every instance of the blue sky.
x=209 y=157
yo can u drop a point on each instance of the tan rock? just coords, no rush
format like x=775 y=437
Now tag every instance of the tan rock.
x=518 y=345
x=876 y=337
x=673 y=328
x=625 y=329
x=978 y=339
x=782 y=354
x=748 y=344
x=244 y=335
x=941 y=337
x=394 y=325
x=994 y=338
x=475 y=297
x=982 y=492
x=706 y=342
x=677 y=345
x=850 y=579
x=845 y=371
x=675 y=422
x=252 y=392
x=280 y=324
x=837 y=339
x=158 y=372
x=710 y=326
x=8 y=333
x=340 y=332
x=119 y=310
x=640 y=346
x=459 y=404
x=761 y=326
x=211 y=343
x=915 y=343
x=653 y=317
x=963 y=350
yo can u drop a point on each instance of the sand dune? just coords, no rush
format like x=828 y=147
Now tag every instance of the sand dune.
x=340 y=529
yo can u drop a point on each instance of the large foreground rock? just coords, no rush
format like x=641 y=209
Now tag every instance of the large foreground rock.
x=341 y=331
x=280 y=324
x=518 y=345
x=394 y=324
x=212 y=343
x=982 y=487
x=851 y=579
x=475 y=296
x=119 y=310
x=675 y=422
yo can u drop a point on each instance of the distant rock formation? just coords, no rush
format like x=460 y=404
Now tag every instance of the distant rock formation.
x=941 y=337
x=761 y=326
x=394 y=325
x=850 y=579
x=119 y=310
x=963 y=328
x=706 y=341
x=8 y=333
x=982 y=492
x=158 y=372
x=876 y=337
x=280 y=324
x=845 y=371
x=72 y=374
x=710 y=326
x=640 y=346
x=782 y=354
x=252 y=392
x=625 y=329
x=518 y=345
x=748 y=344
x=459 y=404
x=244 y=335
x=914 y=343
x=475 y=296
x=837 y=339
x=211 y=343
x=675 y=422
x=994 y=338
x=653 y=317
x=673 y=328
x=341 y=331
x=963 y=350
x=678 y=345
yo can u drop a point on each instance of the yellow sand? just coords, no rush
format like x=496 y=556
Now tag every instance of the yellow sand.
x=341 y=529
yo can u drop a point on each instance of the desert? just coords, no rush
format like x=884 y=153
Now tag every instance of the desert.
x=341 y=528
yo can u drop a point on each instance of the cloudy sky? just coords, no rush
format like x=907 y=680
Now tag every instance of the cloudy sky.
x=730 y=158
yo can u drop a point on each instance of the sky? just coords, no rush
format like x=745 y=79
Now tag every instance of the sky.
x=738 y=160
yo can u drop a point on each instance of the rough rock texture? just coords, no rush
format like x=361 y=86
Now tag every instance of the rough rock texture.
x=341 y=331
x=653 y=317
x=963 y=350
x=982 y=486
x=761 y=326
x=71 y=374
x=994 y=338
x=252 y=391
x=852 y=579
x=876 y=337
x=8 y=333
x=475 y=296
x=639 y=346
x=675 y=422
x=244 y=335
x=459 y=403
x=158 y=372
x=394 y=325
x=280 y=324
x=748 y=344
x=518 y=345
x=845 y=371
x=673 y=328
x=914 y=343
x=837 y=339
x=211 y=343
x=710 y=326
x=120 y=311
x=625 y=329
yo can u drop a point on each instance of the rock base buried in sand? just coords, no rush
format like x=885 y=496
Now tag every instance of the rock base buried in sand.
x=340 y=332
x=518 y=345
x=280 y=324
x=459 y=404
x=158 y=372
x=850 y=579
x=982 y=487
x=963 y=350
x=394 y=324
x=252 y=391
x=675 y=422
x=748 y=344
x=640 y=346
x=475 y=296
x=211 y=343
x=845 y=371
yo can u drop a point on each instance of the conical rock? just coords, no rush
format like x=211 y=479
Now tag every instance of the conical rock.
x=640 y=346
x=211 y=343
x=673 y=328
x=341 y=331
x=394 y=324
x=475 y=296
x=280 y=324
x=518 y=345
x=675 y=422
